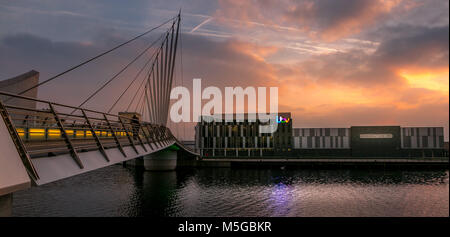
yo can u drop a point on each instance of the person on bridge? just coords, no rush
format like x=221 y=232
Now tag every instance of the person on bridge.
x=136 y=126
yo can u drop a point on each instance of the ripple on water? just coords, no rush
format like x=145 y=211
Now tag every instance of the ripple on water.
x=119 y=191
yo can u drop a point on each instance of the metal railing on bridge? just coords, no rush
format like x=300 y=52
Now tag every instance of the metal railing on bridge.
x=48 y=128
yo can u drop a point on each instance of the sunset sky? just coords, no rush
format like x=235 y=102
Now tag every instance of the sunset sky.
x=336 y=63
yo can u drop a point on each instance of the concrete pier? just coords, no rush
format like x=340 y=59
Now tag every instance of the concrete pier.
x=6 y=202
x=161 y=160
x=13 y=175
x=138 y=162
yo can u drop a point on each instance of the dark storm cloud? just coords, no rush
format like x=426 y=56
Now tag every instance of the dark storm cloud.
x=23 y=52
x=327 y=13
x=426 y=48
x=327 y=20
x=218 y=63
x=222 y=63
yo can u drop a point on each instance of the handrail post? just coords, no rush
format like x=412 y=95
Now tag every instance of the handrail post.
x=130 y=139
x=155 y=135
x=97 y=140
x=146 y=137
x=139 y=138
x=70 y=146
x=18 y=142
x=114 y=136
x=159 y=136
x=165 y=135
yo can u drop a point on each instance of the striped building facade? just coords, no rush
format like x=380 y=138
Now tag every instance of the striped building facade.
x=243 y=139
x=422 y=137
x=321 y=138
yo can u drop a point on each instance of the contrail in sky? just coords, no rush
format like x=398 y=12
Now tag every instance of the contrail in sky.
x=204 y=22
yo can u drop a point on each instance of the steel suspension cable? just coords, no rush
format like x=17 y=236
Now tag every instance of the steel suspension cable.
x=139 y=101
x=182 y=77
x=167 y=78
x=172 y=66
x=137 y=75
x=95 y=57
x=139 y=88
x=153 y=95
x=118 y=73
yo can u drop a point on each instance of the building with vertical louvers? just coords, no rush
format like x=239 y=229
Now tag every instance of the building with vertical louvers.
x=242 y=139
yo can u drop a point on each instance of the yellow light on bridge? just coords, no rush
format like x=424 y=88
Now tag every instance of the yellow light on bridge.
x=79 y=133
x=54 y=133
x=120 y=134
x=36 y=133
x=21 y=132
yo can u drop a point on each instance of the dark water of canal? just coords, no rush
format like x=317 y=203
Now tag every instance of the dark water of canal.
x=120 y=191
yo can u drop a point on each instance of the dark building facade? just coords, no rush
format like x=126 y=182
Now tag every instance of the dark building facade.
x=242 y=139
x=18 y=84
x=375 y=141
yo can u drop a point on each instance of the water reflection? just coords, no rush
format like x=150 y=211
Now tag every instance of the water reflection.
x=119 y=191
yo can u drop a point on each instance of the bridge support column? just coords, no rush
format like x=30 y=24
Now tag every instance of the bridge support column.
x=136 y=162
x=6 y=202
x=161 y=161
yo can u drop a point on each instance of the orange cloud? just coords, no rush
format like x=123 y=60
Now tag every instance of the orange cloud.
x=256 y=51
x=436 y=80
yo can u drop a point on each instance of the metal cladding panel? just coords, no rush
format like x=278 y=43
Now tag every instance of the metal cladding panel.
x=304 y=142
x=322 y=138
x=306 y=132
x=296 y=142
x=414 y=142
x=327 y=142
x=422 y=137
x=334 y=132
x=423 y=131
x=346 y=142
x=430 y=142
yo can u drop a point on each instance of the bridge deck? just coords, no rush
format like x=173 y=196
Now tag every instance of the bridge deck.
x=54 y=143
x=38 y=149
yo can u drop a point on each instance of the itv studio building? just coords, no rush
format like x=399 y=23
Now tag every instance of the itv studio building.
x=240 y=137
